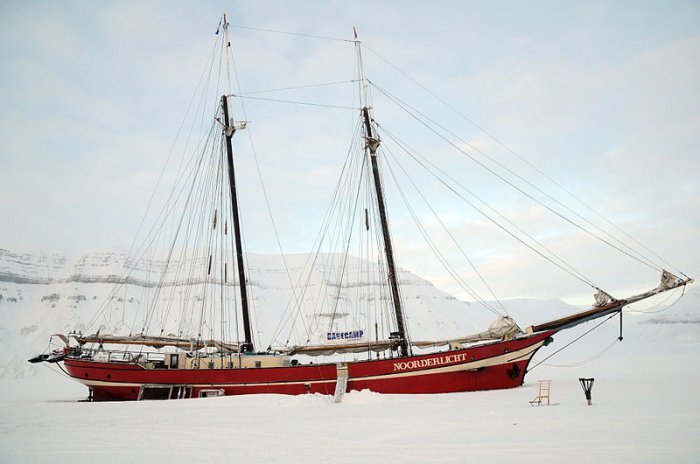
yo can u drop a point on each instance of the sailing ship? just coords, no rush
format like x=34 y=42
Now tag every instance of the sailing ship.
x=174 y=366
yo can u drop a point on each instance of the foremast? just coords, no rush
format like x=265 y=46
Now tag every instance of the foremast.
x=229 y=129
x=372 y=142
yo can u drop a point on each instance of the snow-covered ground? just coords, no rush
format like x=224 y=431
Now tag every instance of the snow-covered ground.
x=645 y=409
x=645 y=406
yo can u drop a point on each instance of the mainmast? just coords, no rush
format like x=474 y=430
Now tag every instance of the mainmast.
x=371 y=145
x=229 y=130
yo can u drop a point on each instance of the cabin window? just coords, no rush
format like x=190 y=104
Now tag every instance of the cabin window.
x=174 y=361
x=211 y=365
x=258 y=363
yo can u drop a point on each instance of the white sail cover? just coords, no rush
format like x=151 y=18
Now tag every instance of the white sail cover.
x=668 y=281
x=601 y=298
x=157 y=342
x=503 y=328
x=356 y=347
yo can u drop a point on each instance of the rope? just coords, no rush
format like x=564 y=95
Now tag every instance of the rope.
x=405 y=107
x=585 y=361
x=63 y=371
x=433 y=246
x=296 y=34
x=575 y=340
x=571 y=270
x=297 y=87
x=299 y=103
x=659 y=304
x=530 y=164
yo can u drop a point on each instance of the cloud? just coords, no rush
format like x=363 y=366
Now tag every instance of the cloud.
x=600 y=97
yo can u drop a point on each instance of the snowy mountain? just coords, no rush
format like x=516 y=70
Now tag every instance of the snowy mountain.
x=46 y=293
x=639 y=414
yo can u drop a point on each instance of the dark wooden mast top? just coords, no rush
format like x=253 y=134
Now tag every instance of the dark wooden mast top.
x=229 y=129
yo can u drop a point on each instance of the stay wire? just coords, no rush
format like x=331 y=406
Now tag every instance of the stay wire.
x=346 y=253
x=563 y=265
x=405 y=107
x=295 y=102
x=127 y=270
x=587 y=360
x=260 y=177
x=660 y=304
x=296 y=34
x=437 y=252
x=576 y=339
x=525 y=160
x=310 y=262
x=296 y=87
x=151 y=236
x=449 y=268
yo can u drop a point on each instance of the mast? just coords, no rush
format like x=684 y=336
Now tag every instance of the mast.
x=371 y=145
x=229 y=130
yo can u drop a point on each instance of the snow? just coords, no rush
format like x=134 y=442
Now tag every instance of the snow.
x=645 y=407
x=643 y=411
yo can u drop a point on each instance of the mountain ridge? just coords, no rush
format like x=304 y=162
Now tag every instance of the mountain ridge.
x=45 y=293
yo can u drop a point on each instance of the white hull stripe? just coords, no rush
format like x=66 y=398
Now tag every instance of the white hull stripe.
x=518 y=355
x=505 y=358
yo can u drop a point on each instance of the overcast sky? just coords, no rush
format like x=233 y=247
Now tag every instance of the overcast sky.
x=602 y=96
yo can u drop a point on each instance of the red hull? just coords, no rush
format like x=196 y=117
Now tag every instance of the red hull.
x=485 y=367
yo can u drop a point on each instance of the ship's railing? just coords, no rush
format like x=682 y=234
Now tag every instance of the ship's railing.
x=105 y=355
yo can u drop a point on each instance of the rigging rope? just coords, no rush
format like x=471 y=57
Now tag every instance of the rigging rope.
x=434 y=247
x=653 y=309
x=275 y=100
x=260 y=177
x=296 y=87
x=130 y=265
x=530 y=164
x=576 y=339
x=296 y=34
x=405 y=107
x=587 y=360
x=565 y=266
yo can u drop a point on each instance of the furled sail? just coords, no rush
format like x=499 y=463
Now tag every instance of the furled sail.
x=668 y=282
x=158 y=342
x=503 y=328
x=357 y=347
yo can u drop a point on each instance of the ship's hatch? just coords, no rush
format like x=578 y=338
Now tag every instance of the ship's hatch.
x=164 y=392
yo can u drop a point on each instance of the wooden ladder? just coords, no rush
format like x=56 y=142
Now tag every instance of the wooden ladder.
x=544 y=389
